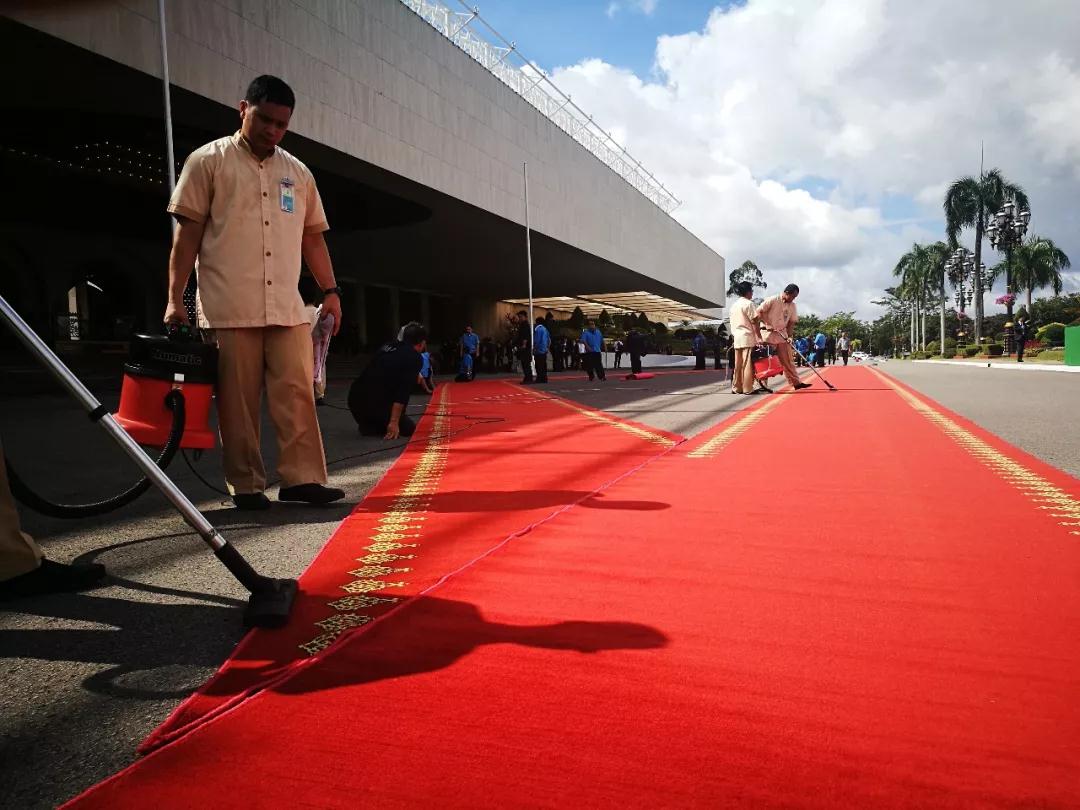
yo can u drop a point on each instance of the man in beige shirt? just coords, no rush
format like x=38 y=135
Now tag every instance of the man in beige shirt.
x=779 y=316
x=247 y=212
x=745 y=336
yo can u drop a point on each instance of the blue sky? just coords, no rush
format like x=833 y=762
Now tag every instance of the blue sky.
x=556 y=33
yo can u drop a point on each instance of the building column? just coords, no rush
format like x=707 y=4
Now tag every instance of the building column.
x=395 y=309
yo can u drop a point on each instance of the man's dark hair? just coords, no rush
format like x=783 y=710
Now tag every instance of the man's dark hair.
x=792 y=289
x=539 y=321
x=744 y=288
x=413 y=332
x=271 y=89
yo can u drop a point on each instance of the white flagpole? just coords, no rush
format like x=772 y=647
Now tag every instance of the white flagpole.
x=528 y=260
x=170 y=159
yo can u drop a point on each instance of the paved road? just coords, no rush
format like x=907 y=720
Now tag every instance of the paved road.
x=87 y=677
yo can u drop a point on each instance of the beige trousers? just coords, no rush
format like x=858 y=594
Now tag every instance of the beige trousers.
x=783 y=351
x=742 y=380
x=278 y=358
x=19 y=554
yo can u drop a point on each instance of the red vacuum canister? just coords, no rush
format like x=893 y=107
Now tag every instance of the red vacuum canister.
x=156 y=365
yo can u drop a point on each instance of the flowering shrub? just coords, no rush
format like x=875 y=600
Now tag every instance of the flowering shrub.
x=1006 y=299
x=961 y=314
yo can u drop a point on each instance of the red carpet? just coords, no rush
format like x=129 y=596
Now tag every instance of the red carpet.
x=488 y=461
x=848 y=599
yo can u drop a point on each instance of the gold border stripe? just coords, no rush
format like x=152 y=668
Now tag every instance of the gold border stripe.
x=743 y=422
x=414 y=496
x=604 y=419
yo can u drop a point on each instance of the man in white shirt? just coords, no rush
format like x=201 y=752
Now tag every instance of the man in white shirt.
x=844 y=345
x=779 y=316
x=745 y=334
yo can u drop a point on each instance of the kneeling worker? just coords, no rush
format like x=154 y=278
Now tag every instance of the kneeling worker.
x=379 y=396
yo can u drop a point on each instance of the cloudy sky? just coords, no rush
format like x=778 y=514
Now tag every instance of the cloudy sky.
x=817 y=137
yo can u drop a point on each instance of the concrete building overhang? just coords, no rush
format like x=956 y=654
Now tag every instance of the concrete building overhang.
x=656 y=307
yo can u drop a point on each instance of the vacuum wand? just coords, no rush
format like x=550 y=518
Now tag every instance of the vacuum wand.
x=271 y=599
x=791 y=343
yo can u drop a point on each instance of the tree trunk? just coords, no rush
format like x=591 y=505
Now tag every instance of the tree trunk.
x=1029 y=303
x=942 y=336
x=978 y=286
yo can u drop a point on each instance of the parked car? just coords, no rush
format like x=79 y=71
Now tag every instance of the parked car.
x=860 y=357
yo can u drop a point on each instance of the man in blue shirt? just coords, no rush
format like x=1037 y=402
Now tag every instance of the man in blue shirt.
x=594 y=344
x=820 y=342
x=698 y=346
x=470 y=345
x=541 y=344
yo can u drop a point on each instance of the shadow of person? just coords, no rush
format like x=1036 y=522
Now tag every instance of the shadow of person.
x=430 y=634
x=513 y=500
x=156 y=650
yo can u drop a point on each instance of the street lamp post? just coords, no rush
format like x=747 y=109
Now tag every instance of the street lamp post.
x=1006 y=232
x=960 y=269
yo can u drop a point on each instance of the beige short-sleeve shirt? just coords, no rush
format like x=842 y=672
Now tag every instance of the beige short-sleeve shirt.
x=744 y=324
x=780 y=316
x=256 y=213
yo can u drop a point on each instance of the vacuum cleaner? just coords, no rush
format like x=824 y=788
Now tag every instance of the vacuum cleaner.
x=164 y=402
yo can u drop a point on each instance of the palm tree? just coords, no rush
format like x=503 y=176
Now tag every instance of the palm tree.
x=1038 y=263
x=969 y=202
x=922 y=277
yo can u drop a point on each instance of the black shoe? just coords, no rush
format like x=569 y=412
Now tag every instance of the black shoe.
x=801 y=385
x=52 y=577
x=311 y=493
x=251 y=501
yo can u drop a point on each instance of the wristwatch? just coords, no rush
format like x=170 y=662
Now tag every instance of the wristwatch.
x=332 y=291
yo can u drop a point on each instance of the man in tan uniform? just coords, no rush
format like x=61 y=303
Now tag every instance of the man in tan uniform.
x=247 y=212
x=745 y=335
x=24 y=571
x=779 y=316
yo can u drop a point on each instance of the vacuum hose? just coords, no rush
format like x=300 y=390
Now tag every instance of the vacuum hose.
x=174 y=400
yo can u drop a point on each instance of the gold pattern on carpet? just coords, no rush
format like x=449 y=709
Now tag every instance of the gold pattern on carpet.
x=626 y=427
x=400 y=522
x=736 y=429
x=1050 y=498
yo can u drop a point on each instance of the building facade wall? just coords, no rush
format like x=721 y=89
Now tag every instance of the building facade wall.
x=375 y=81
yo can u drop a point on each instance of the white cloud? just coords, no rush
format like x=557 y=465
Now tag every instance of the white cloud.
x=646 y=7
x=872 y=105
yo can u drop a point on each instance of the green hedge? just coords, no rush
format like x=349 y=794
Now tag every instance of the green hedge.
x=993 y=350
x=1053 y=355
x=1052 y=334
x=971 y=351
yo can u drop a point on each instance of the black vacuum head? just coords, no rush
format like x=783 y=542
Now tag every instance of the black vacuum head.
x=270 y=606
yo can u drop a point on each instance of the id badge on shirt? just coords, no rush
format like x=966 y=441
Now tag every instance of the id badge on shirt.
x=288 y=195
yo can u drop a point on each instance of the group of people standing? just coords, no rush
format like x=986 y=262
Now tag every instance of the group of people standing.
x=822 y=349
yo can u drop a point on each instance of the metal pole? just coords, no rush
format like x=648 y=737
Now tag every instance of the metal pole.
x=941 y=337
x=170 y=154
x=528 y=258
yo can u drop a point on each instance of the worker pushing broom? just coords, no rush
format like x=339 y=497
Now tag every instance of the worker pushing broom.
x=778 y=316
